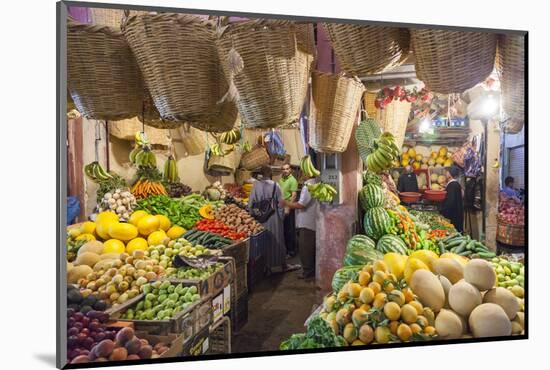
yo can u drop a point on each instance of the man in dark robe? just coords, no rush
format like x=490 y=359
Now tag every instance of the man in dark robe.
x=407 y=181
x=452 y=207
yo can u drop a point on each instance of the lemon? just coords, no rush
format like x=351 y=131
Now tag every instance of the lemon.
x=113 y=246
x=123 y=231
x=147 y=224
x=175 y=232
x=164 y=222
x=87 y=227
x=85 y=236
x=157 y=237
x=136 y=244
x=136 y=216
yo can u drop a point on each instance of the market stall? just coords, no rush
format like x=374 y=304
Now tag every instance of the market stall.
x=166 y=252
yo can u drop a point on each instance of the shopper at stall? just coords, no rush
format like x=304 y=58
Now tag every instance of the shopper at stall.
x=508 y=188
x=264 y=203
x=306 y=215
x=452 y=206
x=289 y=186
x=407 y=182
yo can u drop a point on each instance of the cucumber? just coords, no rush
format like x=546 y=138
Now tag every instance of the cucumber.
x=470 y=245
x=451 y=237
x=441 y=247
x=465 y=253
x=455 y=243
x=461 y=248
x=487 y=255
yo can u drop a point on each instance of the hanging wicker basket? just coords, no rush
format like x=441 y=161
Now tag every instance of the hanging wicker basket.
x=111 y=17
x=336 y=101
x=224 y=164
x=126 y=130
x=103 y=78
x=453 y=61
x=255 y=159
x=178 y=58
x=363 y=50
x=511 y=69
x=393 y=118
x=193 y=139
x=272 y=83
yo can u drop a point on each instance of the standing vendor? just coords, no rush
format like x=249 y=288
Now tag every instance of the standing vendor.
x=289 y=186
x=452 y=206
x=407 y=182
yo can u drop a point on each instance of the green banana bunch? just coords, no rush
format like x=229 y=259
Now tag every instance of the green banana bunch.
x=231 y=137
x=246 y=147
x=170 y=174
x=141 y=138
x=217 y=149
x=307 y=167
x=145 y=158
x=322 y=192
x=96 y=173
x=384 y=155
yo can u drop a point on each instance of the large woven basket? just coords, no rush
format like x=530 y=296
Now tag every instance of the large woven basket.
x=194 y=140
x=111 y=17
x=363 y=50
x=513 y=126
x=254 y=159
x=393 y=118
x=126 y=130
x=226 y=164
x=510 y=234
x=242 y=176
x=178 y=57
x=336 y=101
x=272 y=84
x=103 y=77
x=453 y=61
x=511 y=68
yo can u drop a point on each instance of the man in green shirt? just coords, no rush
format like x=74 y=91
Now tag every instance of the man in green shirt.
x=289 y=186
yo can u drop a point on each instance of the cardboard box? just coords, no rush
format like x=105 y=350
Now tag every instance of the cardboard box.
x=174 y=340
x=198 y=344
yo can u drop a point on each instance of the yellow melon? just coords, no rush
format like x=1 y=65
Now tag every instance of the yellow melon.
x=433 y=155
x=136 y=216
x=443 y=151
x=136 y=244
x=123 y=231
x=448 y=163
x=113 y=246
x=411 y=266
x=175 y=232
x=440 y=160
x=148 y=224
x=426 y=256
x=86 y=236
x=164 y=222
x=157 y=237
x=412 y=152
x=416 y=165
x=87 y=227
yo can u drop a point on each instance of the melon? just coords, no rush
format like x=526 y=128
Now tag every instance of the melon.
x=77 y=273
x=428 y=288
x=489 y=320
x=480 y=274
x=376 y=222
x=391 y=243
x=463 y=298
x=87 y=258
x=426 y=256
x=448 y=324
x=505 y=299
x=93 y=246
x=123 y=231
x=449 y=268
x=371 y=196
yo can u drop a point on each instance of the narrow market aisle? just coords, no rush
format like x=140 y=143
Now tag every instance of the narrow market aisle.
x=277 y=308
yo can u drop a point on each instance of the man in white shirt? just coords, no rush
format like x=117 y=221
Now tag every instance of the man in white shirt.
x=306 y=214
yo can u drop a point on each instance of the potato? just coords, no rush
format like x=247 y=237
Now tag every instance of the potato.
x=428 y=288
x=449 y=268
x=448 y=324
x=505 y=299
x=480 y=274
x=489 y=320
x=77 y=273
x=463 y=298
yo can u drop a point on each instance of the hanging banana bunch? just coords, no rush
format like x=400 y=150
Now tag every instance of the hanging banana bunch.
x=307 y=167
x=231 y=137
x=384 y=154
x=95 y=172
x=170 y=174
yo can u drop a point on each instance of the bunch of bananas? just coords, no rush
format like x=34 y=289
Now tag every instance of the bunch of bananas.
x=322 y=192
x=141 y=139
x=171 y=171
x=246 y=147
x=307 y=167
x=231 y=137
x=384 y=155
x=96 y=173
x=220 y=150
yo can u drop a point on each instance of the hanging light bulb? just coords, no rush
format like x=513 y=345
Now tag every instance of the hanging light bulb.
x=490 y=106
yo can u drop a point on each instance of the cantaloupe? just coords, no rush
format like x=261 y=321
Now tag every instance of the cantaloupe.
x=460 y=259
x=87 y=258
x=505 y=299
x=77 y=273
x=520 y=319
x=489 y=320
x=426 y=256
x=428 y=288
x=449 y=268
x=412 y=265
x=448 y=324
x=93 y=246
x=463 y=298
x=480 y=274
x=446 y=284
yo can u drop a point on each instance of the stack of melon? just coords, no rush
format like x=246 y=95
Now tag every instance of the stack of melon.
x=439 y=158
x=376 y=221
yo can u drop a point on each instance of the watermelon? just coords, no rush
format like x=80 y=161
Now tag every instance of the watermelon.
x=371 y=196
x=391 y=243
x=372 y=178
x=358 y=256
x=376 y=222
x=343 y=275
x=360 y=241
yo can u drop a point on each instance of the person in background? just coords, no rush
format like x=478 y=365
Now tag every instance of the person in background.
x=508 y=188
x=267 y=189
x=452 y=206
x=407 y=182
x=289 y=186
x=306 y=215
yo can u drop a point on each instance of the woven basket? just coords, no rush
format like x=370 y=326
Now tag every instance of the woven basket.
x=510 y=234
x=393 y=118
x=272 y=85
x=364 y=50
x=513 y=126
x=126 y=130
x=103 y=77
x=511 y=68
x=254 y=159
x=336 y=101
x=242 y=176
x=227 y=163
x=193 y=139
x=111 y=17
x=453 y=61
x=178 y=57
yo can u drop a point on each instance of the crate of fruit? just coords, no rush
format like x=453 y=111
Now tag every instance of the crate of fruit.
x=210 y=280
x=170 y=345
x=164 y=307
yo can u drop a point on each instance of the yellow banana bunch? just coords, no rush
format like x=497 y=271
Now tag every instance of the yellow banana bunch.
x=307 y=167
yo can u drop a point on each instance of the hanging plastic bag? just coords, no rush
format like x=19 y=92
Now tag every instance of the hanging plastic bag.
x=73 y=209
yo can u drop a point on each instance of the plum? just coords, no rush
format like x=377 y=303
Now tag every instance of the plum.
x=124 y=335
x=119 y=354
x=145 y=352
x=104 y=348
x=72 y=331
x=85 y=309
x=133 y=357
x=85 y=331
x=94 y=325
x=85 y=322
x=100 y=336
x=78 y=325
x=133 y=346
x=78 y=316
x=70 y=312
x=100 y=306
x=88 y=343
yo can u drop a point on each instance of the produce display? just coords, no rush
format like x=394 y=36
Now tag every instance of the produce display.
x=361 y=250
x=463 y=245
x=215 y=192
x=237 y=218
x=148 y=183
x=177 y=189
x=404 y=227
x=84 y=332
x=510 y=275
x=434 y=220
x=79 y=303
x=384 y=154
x=319 y=335
x=192 y=273
x=164 y=254
x=437 y=159
x=110 y=186
x=183 y=212
x=121 y=201
x=376 y=222
x=511 y=210
x=162 y=301
x=207 y=239
x=95 y=172
x=219 y=228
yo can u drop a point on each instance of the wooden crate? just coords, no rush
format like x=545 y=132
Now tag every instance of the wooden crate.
x=175 y=341
x=239 y=251
x=199 y=344
x=220 y=337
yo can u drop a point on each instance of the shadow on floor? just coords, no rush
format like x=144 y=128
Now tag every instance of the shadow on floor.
x=277 y=308
x=46 y=358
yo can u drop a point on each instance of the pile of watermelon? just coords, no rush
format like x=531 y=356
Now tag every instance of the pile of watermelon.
x=360 y=251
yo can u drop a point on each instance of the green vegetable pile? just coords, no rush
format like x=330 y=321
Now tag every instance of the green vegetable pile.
x=318 y=335
x=434 y=220
x=181 y=211
x=207 y=239
x=463 y=245
x=192 y=273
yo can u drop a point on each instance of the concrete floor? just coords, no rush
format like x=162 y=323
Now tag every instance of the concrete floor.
x=277 y=308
